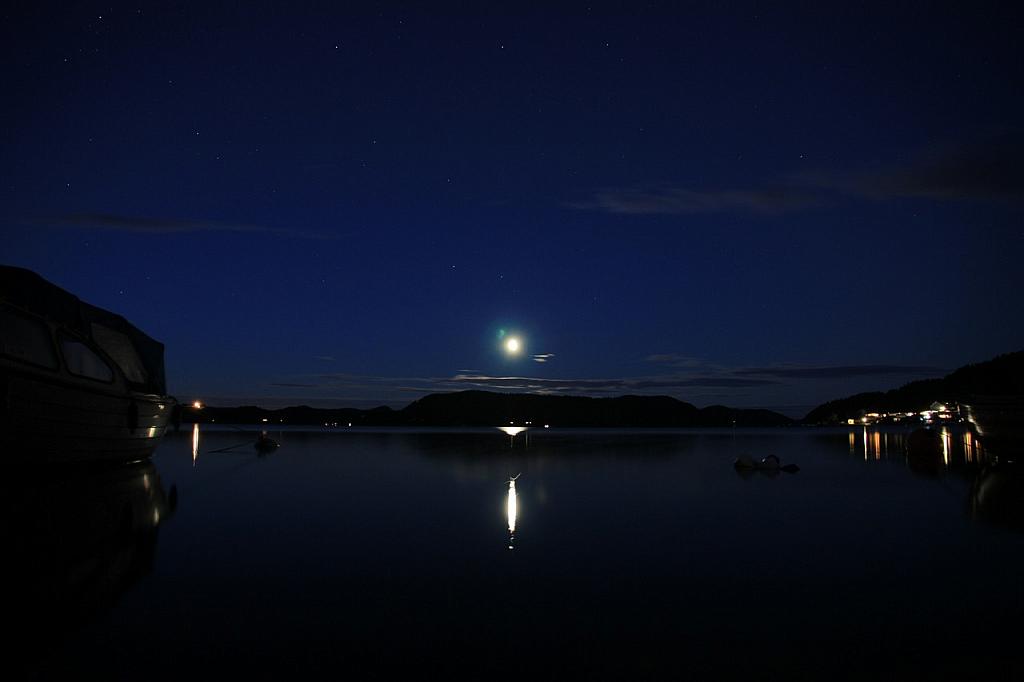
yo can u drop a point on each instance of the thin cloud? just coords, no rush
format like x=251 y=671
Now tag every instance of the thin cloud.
x=790 y=371
x=529 y=383
x=839 y=372
x=147 y=225
x=543 y=357
x=678 y=360
x=569 y=386
x=989 y=169
x=325 y=358
x=696 y=375
x=671 y=200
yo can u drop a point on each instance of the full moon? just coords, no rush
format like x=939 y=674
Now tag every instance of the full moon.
x=512 y=345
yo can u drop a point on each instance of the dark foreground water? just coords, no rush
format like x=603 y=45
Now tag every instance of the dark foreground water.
x=636 y=554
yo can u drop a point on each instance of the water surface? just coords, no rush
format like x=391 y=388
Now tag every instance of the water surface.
x=635 y=554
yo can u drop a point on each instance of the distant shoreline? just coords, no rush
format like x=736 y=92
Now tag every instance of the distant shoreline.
x=1001 y=376
x=487 y=409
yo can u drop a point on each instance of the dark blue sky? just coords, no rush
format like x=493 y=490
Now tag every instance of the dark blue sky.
x=343 y=204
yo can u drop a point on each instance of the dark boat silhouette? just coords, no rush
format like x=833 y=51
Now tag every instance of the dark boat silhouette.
x=265 y=444
x=77 y=383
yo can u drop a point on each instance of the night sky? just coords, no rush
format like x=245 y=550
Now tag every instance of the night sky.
x=347 y=204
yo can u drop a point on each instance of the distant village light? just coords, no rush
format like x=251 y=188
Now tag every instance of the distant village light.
x=197 y=405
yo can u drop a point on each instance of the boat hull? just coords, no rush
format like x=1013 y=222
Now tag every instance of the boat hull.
x=54 y=420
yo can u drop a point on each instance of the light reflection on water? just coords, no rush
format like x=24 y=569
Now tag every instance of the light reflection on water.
x=955 y=446
x=361 y=546
x=511 y=510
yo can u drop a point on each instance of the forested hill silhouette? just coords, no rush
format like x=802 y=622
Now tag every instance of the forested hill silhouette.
x=484 y=408
x=1000 y=376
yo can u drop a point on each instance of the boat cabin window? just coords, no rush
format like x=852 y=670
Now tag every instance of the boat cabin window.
x=82 y=361
x=120 y=349
x=26 y=338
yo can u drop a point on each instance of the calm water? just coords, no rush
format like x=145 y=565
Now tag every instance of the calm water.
x=635 y=554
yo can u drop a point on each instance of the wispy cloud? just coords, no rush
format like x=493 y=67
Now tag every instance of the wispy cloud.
x=685 y=373
x=543 y=357
x=324 y=358
x=988 y=169
x=148 y=225
x=673 y=200
x=545 y=384
x=839 y=372
x=791 y=371
x=677 y=360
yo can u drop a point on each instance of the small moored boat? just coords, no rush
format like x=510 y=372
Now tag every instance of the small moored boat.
x=769 y=464
x=265 y=443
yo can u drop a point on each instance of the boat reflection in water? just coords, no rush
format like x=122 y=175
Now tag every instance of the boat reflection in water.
x=76 y=539
x=512 y=510
x=997 y=495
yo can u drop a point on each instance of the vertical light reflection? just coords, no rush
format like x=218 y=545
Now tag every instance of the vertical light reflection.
x=968 y=446
x=945 y=447
x=865 y=443
x=853 y=442
x=878 y=445
x=195 y=443
x=512 y=432
x=511 y=509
